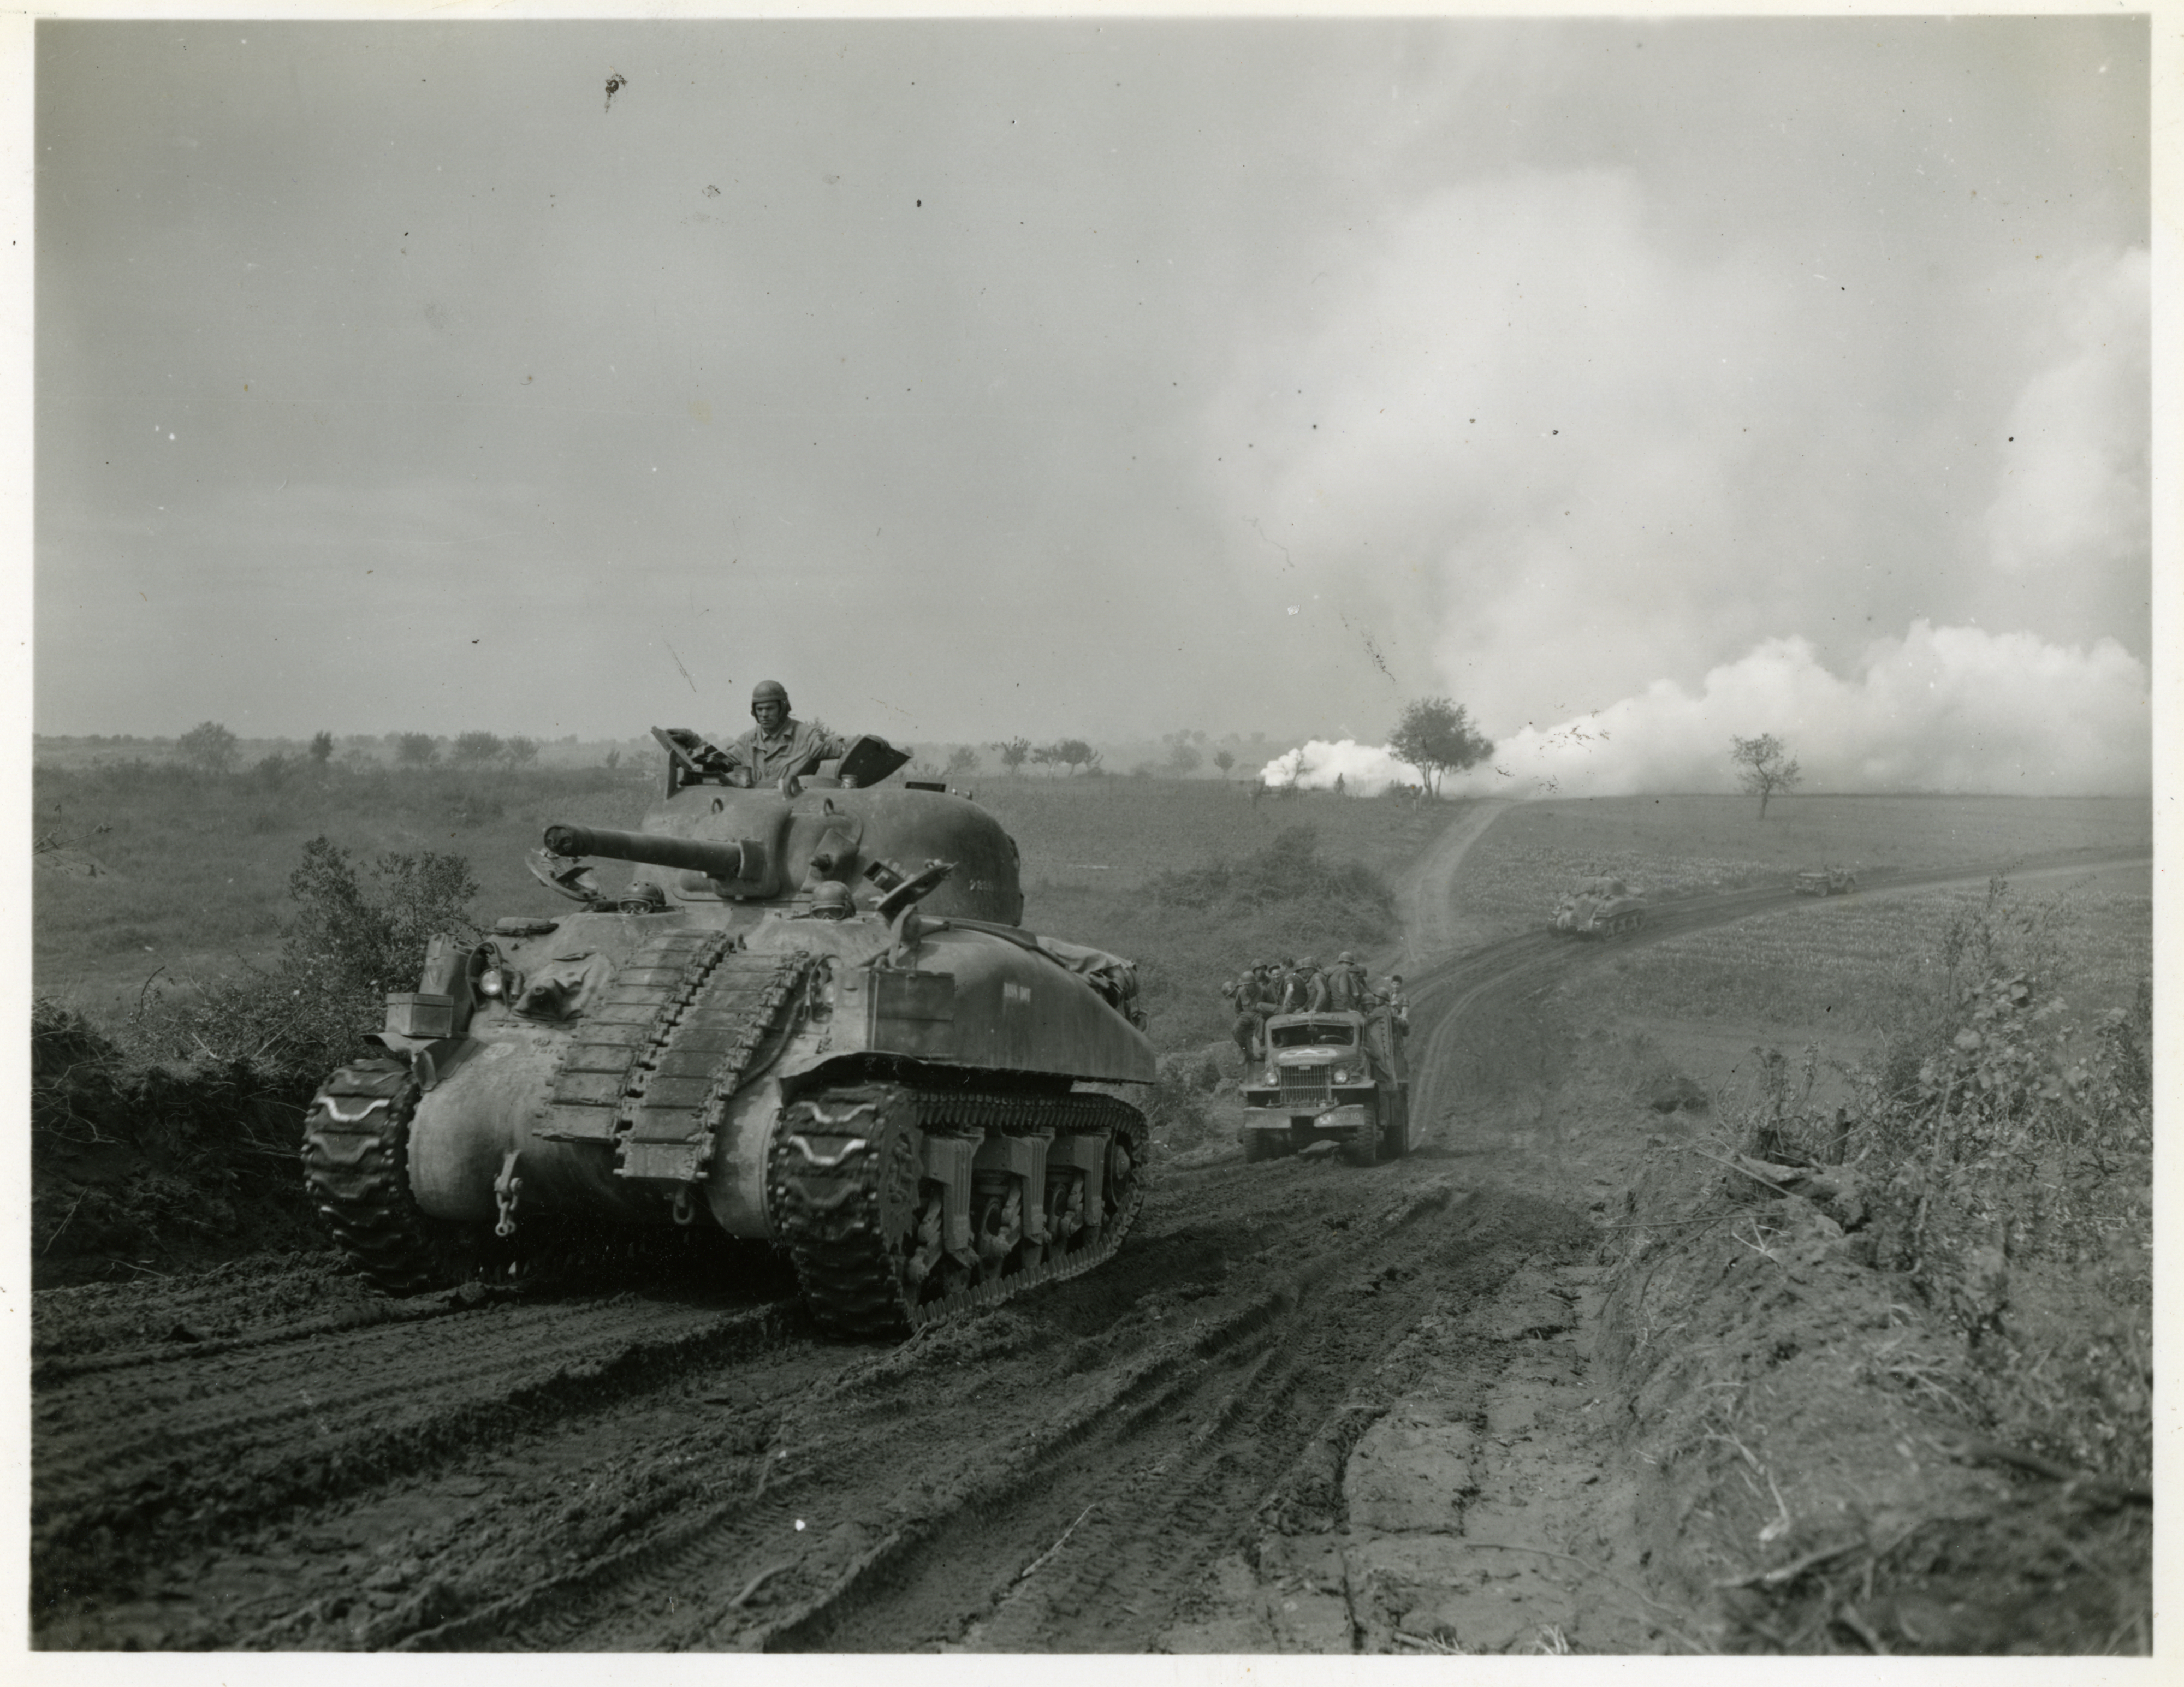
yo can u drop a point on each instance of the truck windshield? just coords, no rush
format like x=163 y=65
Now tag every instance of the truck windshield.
x=1305 y=1036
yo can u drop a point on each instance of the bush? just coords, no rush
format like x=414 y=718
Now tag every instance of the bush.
x=2005 y=1147
x=1289 y=869
x=209 y=747
x=348 y=945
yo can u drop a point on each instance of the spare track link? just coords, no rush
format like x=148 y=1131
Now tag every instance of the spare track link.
x=843 y=1181
x=356 y=1171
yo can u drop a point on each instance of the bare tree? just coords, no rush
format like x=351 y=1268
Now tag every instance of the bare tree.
x=520 y=751
x=1765 y=766
x=1436 y=736
x=962 y=760
x=1013 y=754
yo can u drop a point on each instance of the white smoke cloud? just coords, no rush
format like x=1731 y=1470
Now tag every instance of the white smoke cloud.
x=2076 y=489
x=1315 y=765
x=1941 y=709
x=1547 y=450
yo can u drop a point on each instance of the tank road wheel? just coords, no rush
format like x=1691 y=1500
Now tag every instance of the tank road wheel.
x=867 y=1230
x=356 y=1172
x=997 y=1222
x=1363 y=1147
x=1121 y=1188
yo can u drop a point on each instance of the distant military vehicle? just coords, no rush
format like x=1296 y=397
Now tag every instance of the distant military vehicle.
x=1826 y=881
x=1334 y=1076
x=885 y=1084
x=1599 y=908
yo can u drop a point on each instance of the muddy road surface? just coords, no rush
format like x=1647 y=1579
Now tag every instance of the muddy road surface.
x=1308 y=1407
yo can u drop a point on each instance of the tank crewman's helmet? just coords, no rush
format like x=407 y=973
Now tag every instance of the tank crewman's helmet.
x=832 y=901
x=770 y=691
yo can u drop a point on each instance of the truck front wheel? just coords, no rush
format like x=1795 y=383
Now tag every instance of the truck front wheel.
x=1363 y=1147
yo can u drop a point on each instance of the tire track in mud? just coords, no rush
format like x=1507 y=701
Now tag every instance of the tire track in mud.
x=638 y=1471
x=188 y=1445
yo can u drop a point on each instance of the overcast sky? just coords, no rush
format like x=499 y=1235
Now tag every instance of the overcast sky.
x=984 y=377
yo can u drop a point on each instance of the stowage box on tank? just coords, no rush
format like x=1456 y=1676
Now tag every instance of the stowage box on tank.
x=811 y=1020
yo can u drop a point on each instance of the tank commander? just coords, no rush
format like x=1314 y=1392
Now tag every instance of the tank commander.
x=831 y=900
x=779 y=745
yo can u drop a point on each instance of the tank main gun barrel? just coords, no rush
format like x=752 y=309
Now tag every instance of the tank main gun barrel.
x=732 y=859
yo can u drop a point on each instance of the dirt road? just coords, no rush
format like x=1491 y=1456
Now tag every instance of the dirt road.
x=1308 y=1408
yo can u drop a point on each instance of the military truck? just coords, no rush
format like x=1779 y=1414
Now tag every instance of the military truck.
x=1334 y=1076
x=1826 y=881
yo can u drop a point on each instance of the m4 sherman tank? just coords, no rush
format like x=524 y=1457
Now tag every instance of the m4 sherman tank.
x=778 y=1030
x=1598 y=908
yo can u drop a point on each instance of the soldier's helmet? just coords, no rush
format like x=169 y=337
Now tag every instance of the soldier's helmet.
x=769 y=691
x=1306 y=963
x=1346 y=957
x=832 y=901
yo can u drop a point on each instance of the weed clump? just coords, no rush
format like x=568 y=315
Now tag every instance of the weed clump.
x=1952 y=1269
x=1289 y=869
x=354 y=937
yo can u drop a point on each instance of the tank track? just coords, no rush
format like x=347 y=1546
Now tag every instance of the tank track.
x=842 y=1183
x=356 y=1172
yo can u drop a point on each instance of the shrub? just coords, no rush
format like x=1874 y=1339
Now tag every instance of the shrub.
x=209 y=747
x=1289 y=869
x=2004 y=1149
x=348 y=945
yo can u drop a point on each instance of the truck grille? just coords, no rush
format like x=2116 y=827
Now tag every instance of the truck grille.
x=1304 y=1089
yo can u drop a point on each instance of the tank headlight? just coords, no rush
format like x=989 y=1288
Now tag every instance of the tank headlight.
x=491 y=984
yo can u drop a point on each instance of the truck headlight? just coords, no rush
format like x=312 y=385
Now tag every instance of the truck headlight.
x=1342 y=1074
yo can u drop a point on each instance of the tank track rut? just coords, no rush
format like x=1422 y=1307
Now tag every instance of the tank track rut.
x=843 y=1180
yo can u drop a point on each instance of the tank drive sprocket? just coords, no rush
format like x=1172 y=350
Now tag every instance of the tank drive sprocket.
x=356 y=1170
x=862 y=1224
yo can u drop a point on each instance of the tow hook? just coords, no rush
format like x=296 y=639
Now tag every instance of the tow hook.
x=505 y=1189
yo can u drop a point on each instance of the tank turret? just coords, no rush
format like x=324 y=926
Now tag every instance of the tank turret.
x=888 y=1081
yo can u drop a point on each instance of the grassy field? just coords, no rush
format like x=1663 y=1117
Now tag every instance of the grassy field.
x=1667 y=847
x=193 y=870
x=1846 y=964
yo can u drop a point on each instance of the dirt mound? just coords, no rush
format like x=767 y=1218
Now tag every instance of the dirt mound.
x=1804 y=1424
x=142 y=1170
